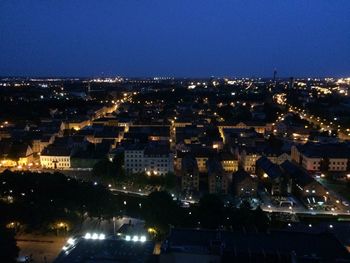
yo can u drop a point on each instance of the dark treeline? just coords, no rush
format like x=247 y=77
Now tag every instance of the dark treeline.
x=40 y=200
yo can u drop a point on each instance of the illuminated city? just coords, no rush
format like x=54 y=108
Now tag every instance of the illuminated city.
x=145 y=161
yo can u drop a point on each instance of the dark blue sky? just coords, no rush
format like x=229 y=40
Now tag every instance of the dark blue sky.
x=175 y=37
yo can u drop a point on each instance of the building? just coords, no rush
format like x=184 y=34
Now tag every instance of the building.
x=115 y=134
x=218 y=180
x=309 y=191
x=248 y=158
x=202 y=154
x=148 y=133
x=214 y=246
x=189 y=175
x=241 y=137
x=244 y=185
x=56 y=157
x=276 y=156
x=259 y=127
x=14 y=154
x=272 y=177
x=76 y=123
x=151 y=158
x=315 y=157
x=106 y=121
x=229 y=162
x=158 y=159
x=106 y=249
x=188 y=134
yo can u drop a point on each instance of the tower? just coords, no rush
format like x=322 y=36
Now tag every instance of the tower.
x=274 y=75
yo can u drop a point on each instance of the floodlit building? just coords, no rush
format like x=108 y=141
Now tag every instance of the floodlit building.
x=152 y=158
x=248 y=158
x=229 y=162
x=55 y=157
x=15 y=154
x=76 y=123
x=322 y=157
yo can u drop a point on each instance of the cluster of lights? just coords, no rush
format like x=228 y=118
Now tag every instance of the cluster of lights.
x=70 y=242
x=95 y=236
x=136 y=238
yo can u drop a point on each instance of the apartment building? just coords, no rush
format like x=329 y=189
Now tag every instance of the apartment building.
x=322 y=157
x=152 y=158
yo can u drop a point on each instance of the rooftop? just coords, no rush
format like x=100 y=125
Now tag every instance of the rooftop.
x=108 y=250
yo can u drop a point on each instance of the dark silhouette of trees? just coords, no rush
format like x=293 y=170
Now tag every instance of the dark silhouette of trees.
x=8 y=247
x=161 y=211
x=211 y=211
x=42 y=199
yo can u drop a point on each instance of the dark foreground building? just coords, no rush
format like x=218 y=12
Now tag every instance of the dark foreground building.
x=109 y=250
x=191 y=245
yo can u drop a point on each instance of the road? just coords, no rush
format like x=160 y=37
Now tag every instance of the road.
x=135 y=193
x=320 y=122
x=302 y=211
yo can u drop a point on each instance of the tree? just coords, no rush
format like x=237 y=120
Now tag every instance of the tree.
x=8 y=247
x=170 y=181
x=119 y=162
x=105 y=169
x=211 y=211
x=161 y=211
x=53 y=198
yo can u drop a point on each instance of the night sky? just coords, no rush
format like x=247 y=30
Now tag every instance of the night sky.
x=180 y=38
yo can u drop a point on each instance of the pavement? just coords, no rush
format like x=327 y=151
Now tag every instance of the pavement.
x=45 y=248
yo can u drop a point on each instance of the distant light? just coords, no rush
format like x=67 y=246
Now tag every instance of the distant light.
x=330 y=226
x=135 y=238
x=143 y=239
x=310 y=225
x=101 y=236
x=87 y=236
x=94 y=236
x=95 y=183
x=127 y=238
x=70 y=241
